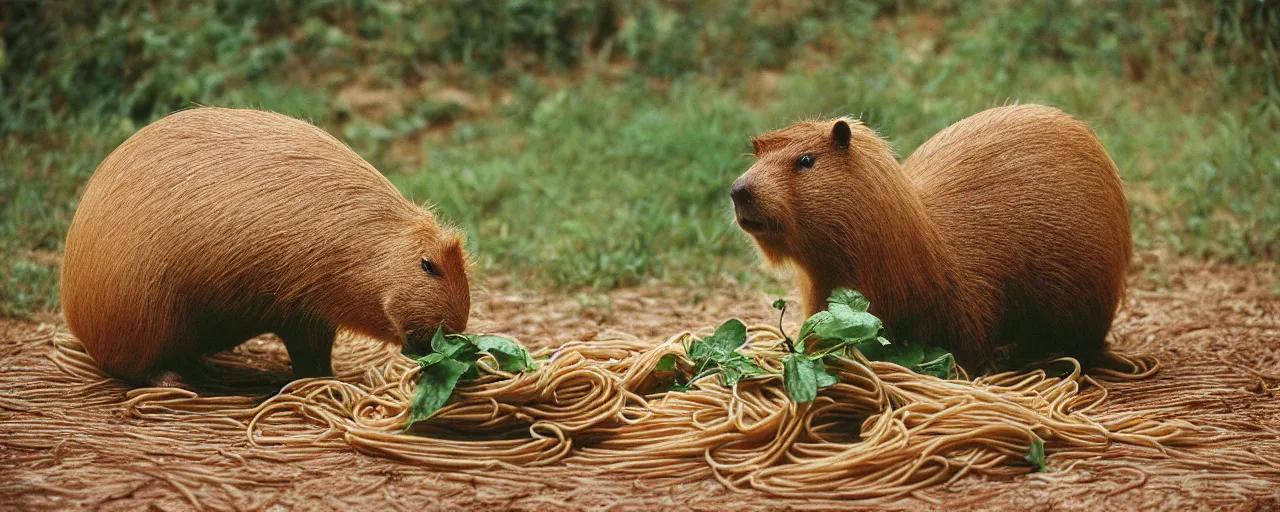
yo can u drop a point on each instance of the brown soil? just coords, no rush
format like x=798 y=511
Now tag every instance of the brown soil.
x=1215 y=330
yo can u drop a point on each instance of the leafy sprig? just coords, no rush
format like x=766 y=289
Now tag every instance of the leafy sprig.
x=844 y=326
x=718 y=354
x=454 y=358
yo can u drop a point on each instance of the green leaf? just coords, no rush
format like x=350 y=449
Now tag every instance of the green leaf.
x=823 y=378
x=780 y=304
x=450 y=345
x=872 y=349
x=849 y=297
x=737 y=368
x=699 y=351
x=845 y=321
x=666 y=363
x=471 y=372
x=937 y=362
x=717 y=354
x=942 y=368
x=1036 y=457
x=807 y=328
x=849 y=325
x=799 y=379
x=730 y=376
x=931 y=353
x=439 y=335
x=906 y=355
x=434 y=389
x=430 y=359
x=510 y=355
x=728 y=337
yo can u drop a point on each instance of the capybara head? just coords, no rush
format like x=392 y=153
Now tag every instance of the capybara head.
x=798 y=180
x=427 y=287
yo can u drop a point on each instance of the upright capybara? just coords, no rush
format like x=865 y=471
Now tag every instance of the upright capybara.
x=1004 y=238
x=213 y=225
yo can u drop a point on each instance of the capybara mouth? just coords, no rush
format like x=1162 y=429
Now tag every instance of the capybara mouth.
x=417 y=344
x=418 y=339
x=753 y=226
x=756 y=225
x=421 y=337
x=750 y=219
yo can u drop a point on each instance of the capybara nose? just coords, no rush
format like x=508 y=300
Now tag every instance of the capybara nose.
x=740 y=193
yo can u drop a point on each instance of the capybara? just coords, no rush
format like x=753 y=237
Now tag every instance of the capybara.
x=1004 y=238
x=212 y=226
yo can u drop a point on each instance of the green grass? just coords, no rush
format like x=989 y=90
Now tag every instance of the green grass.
x=598 y=186
x=601 y=153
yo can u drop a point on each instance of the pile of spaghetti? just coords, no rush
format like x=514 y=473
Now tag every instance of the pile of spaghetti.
x=879 y=430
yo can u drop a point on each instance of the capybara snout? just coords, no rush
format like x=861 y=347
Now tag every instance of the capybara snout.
x=740 y=193
x=212 y=226
x=744 y=206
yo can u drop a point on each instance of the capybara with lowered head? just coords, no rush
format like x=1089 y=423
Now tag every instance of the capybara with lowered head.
x=1004 y=238
x=212 y=226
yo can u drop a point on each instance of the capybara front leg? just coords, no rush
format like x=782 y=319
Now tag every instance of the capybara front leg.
x=310 y=346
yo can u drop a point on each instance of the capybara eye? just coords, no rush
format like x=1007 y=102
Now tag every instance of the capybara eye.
x=430 y=267
x=805 y=160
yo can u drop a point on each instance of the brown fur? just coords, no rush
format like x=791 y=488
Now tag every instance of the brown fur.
x=1007 y=229
x=212 y=226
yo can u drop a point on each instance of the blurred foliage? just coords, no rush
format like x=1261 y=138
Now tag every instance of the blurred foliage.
x=591 y=143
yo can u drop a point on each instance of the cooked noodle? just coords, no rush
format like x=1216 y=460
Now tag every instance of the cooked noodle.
x=882 y=431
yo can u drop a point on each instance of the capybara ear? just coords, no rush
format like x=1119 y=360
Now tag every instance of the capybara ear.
x=840 y=134
x=757 y=146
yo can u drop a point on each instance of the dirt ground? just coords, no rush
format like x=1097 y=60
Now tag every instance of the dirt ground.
x=1215 y=330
